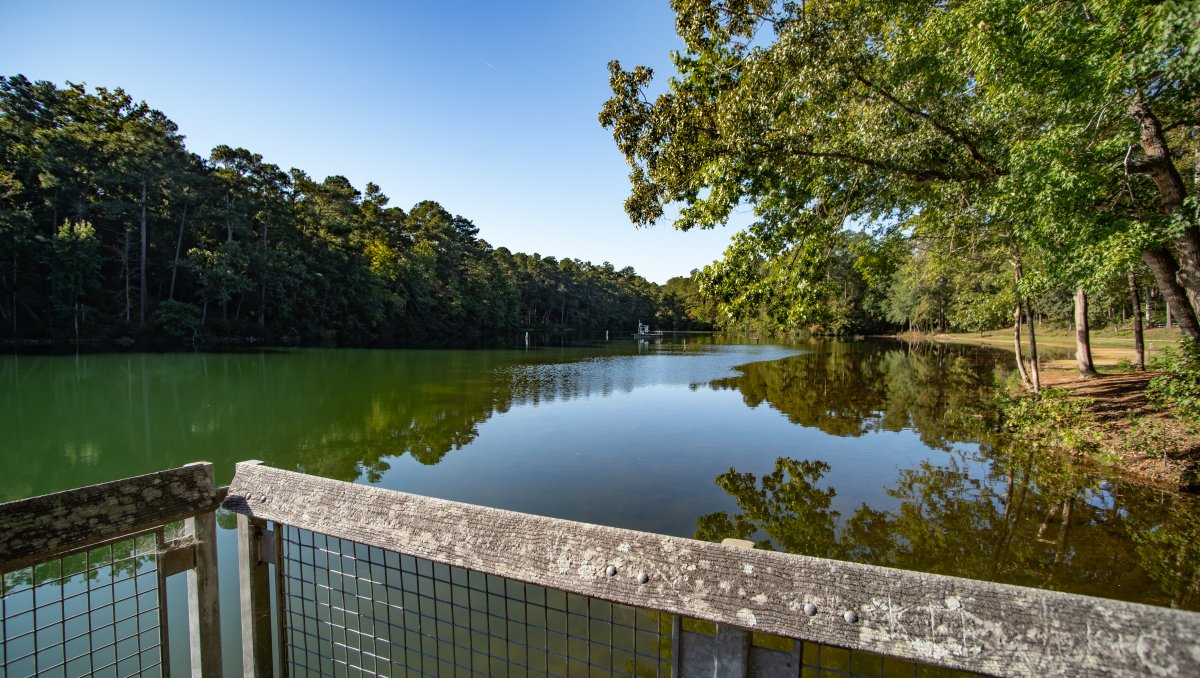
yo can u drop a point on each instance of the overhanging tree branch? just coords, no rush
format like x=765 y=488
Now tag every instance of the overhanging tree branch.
x=944 y=130
x=919 y=175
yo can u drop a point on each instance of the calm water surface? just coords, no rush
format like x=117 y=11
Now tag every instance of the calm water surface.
x=877 y=452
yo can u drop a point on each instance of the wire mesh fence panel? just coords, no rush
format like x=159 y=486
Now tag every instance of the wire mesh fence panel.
x=771 y=655
x=356 y=610
x=826 y=661
x=94 y=612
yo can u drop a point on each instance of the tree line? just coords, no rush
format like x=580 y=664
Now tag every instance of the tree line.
x=966 y=165
x=111 y=228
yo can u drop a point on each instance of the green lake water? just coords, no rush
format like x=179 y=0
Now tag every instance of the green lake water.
x=878 y=452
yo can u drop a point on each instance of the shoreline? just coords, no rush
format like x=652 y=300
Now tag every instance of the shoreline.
x=1107 y=348
x=1139 y=440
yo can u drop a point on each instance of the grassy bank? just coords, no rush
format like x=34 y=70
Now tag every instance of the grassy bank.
x=1108 y=346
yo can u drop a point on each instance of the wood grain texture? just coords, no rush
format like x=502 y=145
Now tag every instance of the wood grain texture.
x=204 y=599
x=254 y=593
x=38 y=528
x=947 y=621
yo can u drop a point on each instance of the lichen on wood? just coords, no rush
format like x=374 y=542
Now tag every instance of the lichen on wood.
x=35 y=529
x=936 y=619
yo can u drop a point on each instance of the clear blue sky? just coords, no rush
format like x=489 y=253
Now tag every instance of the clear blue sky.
x=486 y=107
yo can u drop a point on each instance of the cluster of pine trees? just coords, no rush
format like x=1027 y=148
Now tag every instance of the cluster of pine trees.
x=110 y=227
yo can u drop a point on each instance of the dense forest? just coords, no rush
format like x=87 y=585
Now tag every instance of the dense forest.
x=925 y=167
x=928 y=165
x=111 y=229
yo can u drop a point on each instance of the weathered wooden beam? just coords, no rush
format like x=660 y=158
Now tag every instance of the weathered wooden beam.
x=254 y=587
x=204 y=600
x=733 y=642
x=947 y=621
x=39 y=528
x=177 y=556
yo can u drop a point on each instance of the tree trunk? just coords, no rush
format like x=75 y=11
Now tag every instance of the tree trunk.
x=1020 y=351
x=125 y=265
x=1187 y=248
x=178 y=247
x=262 y=282
x=1034 y=370
x=1139 y=343
x=1163 y=267
x=1083 y=339
x=1160 y=167
x=1034 y=377
x=142 y=263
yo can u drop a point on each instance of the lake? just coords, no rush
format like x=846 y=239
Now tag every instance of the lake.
x=880 y=452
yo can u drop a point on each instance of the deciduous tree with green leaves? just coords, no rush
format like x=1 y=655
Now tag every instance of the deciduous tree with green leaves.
x=1052 y=127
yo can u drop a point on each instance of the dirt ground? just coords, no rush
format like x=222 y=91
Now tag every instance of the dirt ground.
x=1132 y=428
x=1102 y=356
x=1135 y=429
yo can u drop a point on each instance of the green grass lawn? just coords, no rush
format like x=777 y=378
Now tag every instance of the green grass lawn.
x=1117 y=342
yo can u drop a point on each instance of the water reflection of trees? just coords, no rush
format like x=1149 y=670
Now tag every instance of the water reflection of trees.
x=787 y=505
x=1030 y=520
x=849 y=389
x=341 y=414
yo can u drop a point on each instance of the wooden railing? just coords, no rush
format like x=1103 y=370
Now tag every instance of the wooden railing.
x=923 y=618
x=38 y=531
x=932 y=619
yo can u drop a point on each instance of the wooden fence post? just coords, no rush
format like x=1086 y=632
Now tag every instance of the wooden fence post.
x=255 y=591
x=733 y=643
x=733 y=652
x=204 y=601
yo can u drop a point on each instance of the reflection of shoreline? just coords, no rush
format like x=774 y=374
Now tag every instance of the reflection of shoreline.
x=851 y=389
x=1033 y=521
x=337 y=413
x=534 y=384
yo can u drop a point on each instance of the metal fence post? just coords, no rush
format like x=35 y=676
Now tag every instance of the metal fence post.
x=204 y=601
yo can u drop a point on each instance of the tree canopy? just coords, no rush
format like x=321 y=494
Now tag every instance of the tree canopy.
x=1054 y=143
